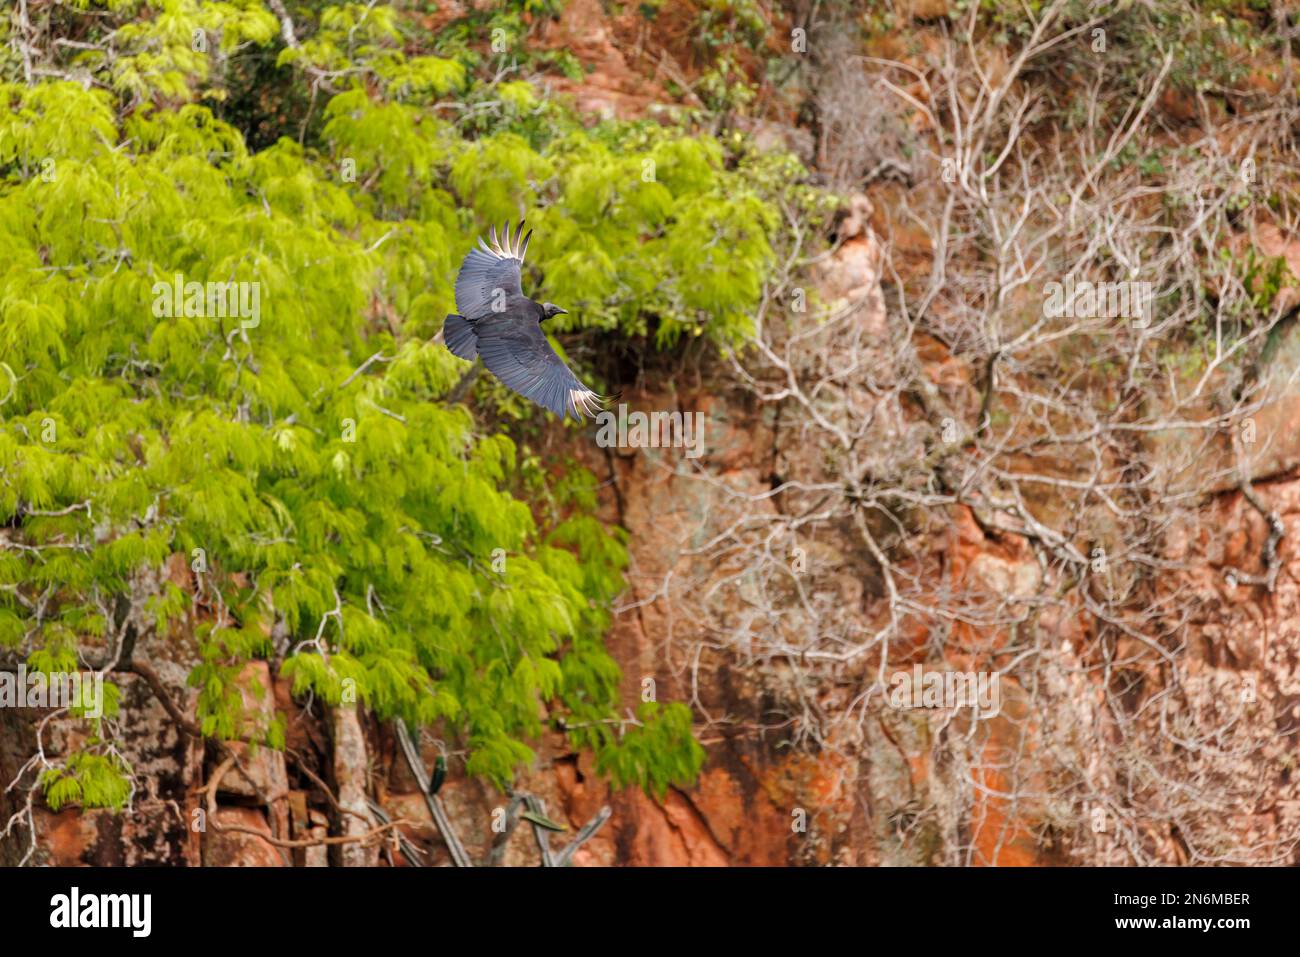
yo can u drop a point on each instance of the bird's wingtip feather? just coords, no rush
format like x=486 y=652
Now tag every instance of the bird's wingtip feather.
x=585 y=403
x=503 y=245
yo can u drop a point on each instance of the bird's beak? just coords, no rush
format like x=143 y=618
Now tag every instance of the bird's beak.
x=561 y=312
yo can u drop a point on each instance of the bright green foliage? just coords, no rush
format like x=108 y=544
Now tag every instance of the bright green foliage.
x=358 y=39
x=356 y=509
x=88 y=779
x=659 y=727
x=641 y=222
x=337 y=516
x=153 y=51
x=634 y=223
x=505 y=25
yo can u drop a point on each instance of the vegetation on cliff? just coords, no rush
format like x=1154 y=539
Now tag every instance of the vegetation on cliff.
x=991 y=304
x=222 y=355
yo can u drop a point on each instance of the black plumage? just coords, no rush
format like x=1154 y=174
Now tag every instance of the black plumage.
x=503 y=326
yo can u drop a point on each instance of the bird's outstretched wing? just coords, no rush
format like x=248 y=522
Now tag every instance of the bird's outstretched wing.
x=519 y=355
x=488 y=280
x=458 y=336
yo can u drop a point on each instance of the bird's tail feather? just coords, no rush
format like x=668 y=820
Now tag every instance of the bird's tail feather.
x=458 y=334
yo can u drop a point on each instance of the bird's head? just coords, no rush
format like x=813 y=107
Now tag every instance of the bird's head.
x=550 y=309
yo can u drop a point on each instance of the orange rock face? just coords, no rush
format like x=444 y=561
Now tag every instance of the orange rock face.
x=612 y=88
x=231 y=848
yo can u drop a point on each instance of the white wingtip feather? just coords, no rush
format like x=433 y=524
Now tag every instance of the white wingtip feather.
x=505 y=246
x=584 y=402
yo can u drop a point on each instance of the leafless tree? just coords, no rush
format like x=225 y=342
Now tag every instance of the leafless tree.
x=966 y=477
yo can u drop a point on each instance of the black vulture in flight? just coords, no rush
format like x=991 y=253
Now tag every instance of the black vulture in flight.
x=498 y=322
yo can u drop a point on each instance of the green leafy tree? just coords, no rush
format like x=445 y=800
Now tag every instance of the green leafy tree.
x=224 y=354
